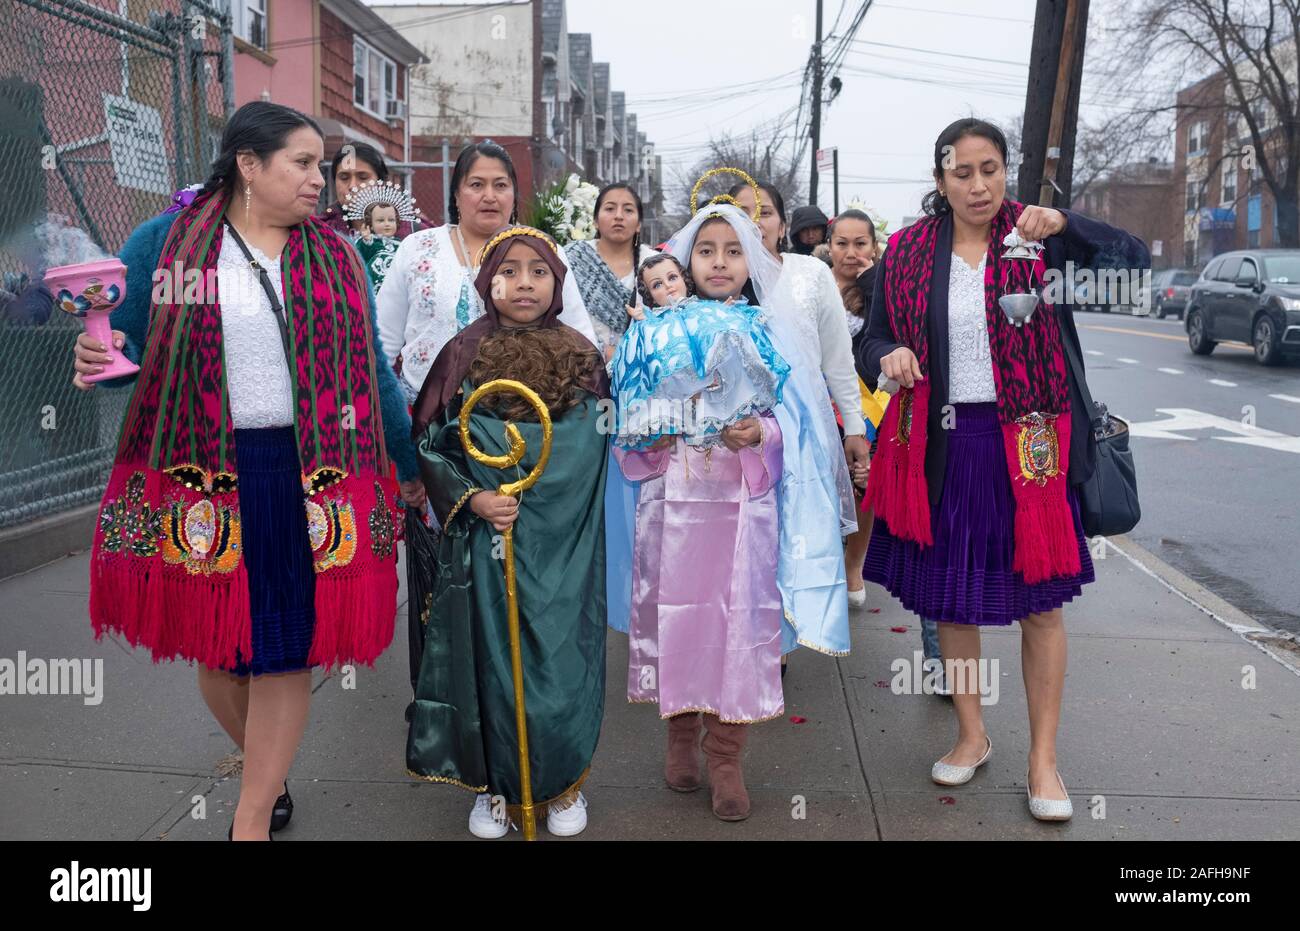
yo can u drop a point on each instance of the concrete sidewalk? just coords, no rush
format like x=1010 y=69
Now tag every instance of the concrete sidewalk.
x=1157 y=727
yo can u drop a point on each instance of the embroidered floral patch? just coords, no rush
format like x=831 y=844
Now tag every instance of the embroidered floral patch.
x=381 y=525
x=129 y=523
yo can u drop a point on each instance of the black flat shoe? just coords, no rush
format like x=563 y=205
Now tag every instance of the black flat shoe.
x=282 y=811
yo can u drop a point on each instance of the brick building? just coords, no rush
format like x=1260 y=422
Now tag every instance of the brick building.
x=513 y=73
x=1224 y=202
x=1139 y=197
x=336 y=60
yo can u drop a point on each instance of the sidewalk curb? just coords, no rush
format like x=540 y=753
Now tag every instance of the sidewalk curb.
x=1234 y=619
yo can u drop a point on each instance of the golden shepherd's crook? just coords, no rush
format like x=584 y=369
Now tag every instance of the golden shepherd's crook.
x=512 y=489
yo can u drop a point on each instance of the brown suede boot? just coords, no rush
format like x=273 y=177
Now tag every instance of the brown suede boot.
x=723 y=746
x=682 y=765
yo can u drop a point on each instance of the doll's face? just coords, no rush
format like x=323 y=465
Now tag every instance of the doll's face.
x=665 y=283
x=718 y=262
x=383 y=220
x=523 y=287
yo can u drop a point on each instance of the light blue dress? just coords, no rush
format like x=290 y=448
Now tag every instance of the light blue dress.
x=719 y=352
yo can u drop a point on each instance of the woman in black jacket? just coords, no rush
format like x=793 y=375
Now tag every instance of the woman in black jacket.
x=977 y=520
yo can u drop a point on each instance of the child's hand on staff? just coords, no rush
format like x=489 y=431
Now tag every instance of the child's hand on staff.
x=498 y=510
x=743 y=433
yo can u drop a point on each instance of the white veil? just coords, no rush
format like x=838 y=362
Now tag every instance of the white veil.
x=764 y=269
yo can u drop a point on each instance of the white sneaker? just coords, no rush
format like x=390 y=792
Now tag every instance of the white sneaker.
x=859 y=598
x=568 y=820
x=482 y=823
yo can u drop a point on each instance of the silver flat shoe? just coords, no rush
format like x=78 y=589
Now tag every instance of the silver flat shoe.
x=1050 y=809
x=859 y=598
x=946 y=774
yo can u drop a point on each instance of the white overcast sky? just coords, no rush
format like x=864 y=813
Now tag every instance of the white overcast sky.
x=696 y=68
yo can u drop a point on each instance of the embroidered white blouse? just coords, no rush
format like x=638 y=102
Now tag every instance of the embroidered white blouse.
x=428 y=297
x=970 y=361
x=257 y=375
x=807 y=290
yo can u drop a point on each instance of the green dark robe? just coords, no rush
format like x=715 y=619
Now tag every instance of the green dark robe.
x=463 y=719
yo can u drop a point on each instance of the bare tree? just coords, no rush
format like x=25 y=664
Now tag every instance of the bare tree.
x=755 y=153
x=1101 y=147
x=1243 y=54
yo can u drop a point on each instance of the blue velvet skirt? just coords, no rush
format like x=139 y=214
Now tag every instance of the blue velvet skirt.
x=966 y=576
x=277 y=553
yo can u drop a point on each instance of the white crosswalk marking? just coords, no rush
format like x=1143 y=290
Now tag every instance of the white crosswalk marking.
x=1123 y=359
x=1171 y=371
x=1093 y=352
x=1286 y=397
x=1223 y=384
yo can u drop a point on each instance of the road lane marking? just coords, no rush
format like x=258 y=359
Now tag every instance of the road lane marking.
x=1123 y=359
x=1223 y=384
x=1171 y=371
x=1178 y=339
x=1093 y=352
x=1286 y=397
x=1182 y=419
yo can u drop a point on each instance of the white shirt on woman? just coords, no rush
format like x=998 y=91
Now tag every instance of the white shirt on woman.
x=428 y=296
x=807 y=290
x=258 y=382
x=970 y=361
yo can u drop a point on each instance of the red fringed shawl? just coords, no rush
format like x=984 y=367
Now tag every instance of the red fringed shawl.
x=167 y=570
x=1029 y=371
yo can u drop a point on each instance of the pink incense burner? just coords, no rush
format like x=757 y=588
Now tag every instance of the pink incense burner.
x=90 y=290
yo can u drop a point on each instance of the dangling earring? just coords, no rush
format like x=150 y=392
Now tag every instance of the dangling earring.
x=248 y=198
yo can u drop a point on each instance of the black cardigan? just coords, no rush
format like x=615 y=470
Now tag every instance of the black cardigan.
x=1085 y=242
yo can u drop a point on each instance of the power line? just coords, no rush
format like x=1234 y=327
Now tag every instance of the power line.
x=913 y=9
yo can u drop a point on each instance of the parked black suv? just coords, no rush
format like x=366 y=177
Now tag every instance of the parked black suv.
x=1169 y=290
x=1252 y=296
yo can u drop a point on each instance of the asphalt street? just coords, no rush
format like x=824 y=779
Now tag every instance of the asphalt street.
x=1216 y=440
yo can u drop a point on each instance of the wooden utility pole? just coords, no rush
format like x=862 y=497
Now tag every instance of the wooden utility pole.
x=1052 y=102
x=816 y=105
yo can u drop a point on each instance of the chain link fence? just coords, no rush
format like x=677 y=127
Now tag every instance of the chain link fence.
x=106 y=108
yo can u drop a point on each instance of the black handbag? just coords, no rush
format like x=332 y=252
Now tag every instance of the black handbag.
x=1108 y=500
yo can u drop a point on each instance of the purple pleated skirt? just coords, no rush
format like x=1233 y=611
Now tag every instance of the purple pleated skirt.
x=965 y=577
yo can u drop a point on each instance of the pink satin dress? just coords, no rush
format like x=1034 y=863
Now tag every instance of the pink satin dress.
x=705 y=631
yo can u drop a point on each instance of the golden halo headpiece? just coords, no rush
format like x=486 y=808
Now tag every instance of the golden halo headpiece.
x=511 y=232
x=727 y=198
x=379 y=192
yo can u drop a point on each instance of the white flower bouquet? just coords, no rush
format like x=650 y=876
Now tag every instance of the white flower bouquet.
x=565 y=211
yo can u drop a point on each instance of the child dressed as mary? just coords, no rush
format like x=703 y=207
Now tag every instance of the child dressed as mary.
x=736 y=475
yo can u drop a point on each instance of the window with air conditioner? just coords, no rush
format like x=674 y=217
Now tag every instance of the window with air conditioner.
x=1193 y=195
x=374 y=81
